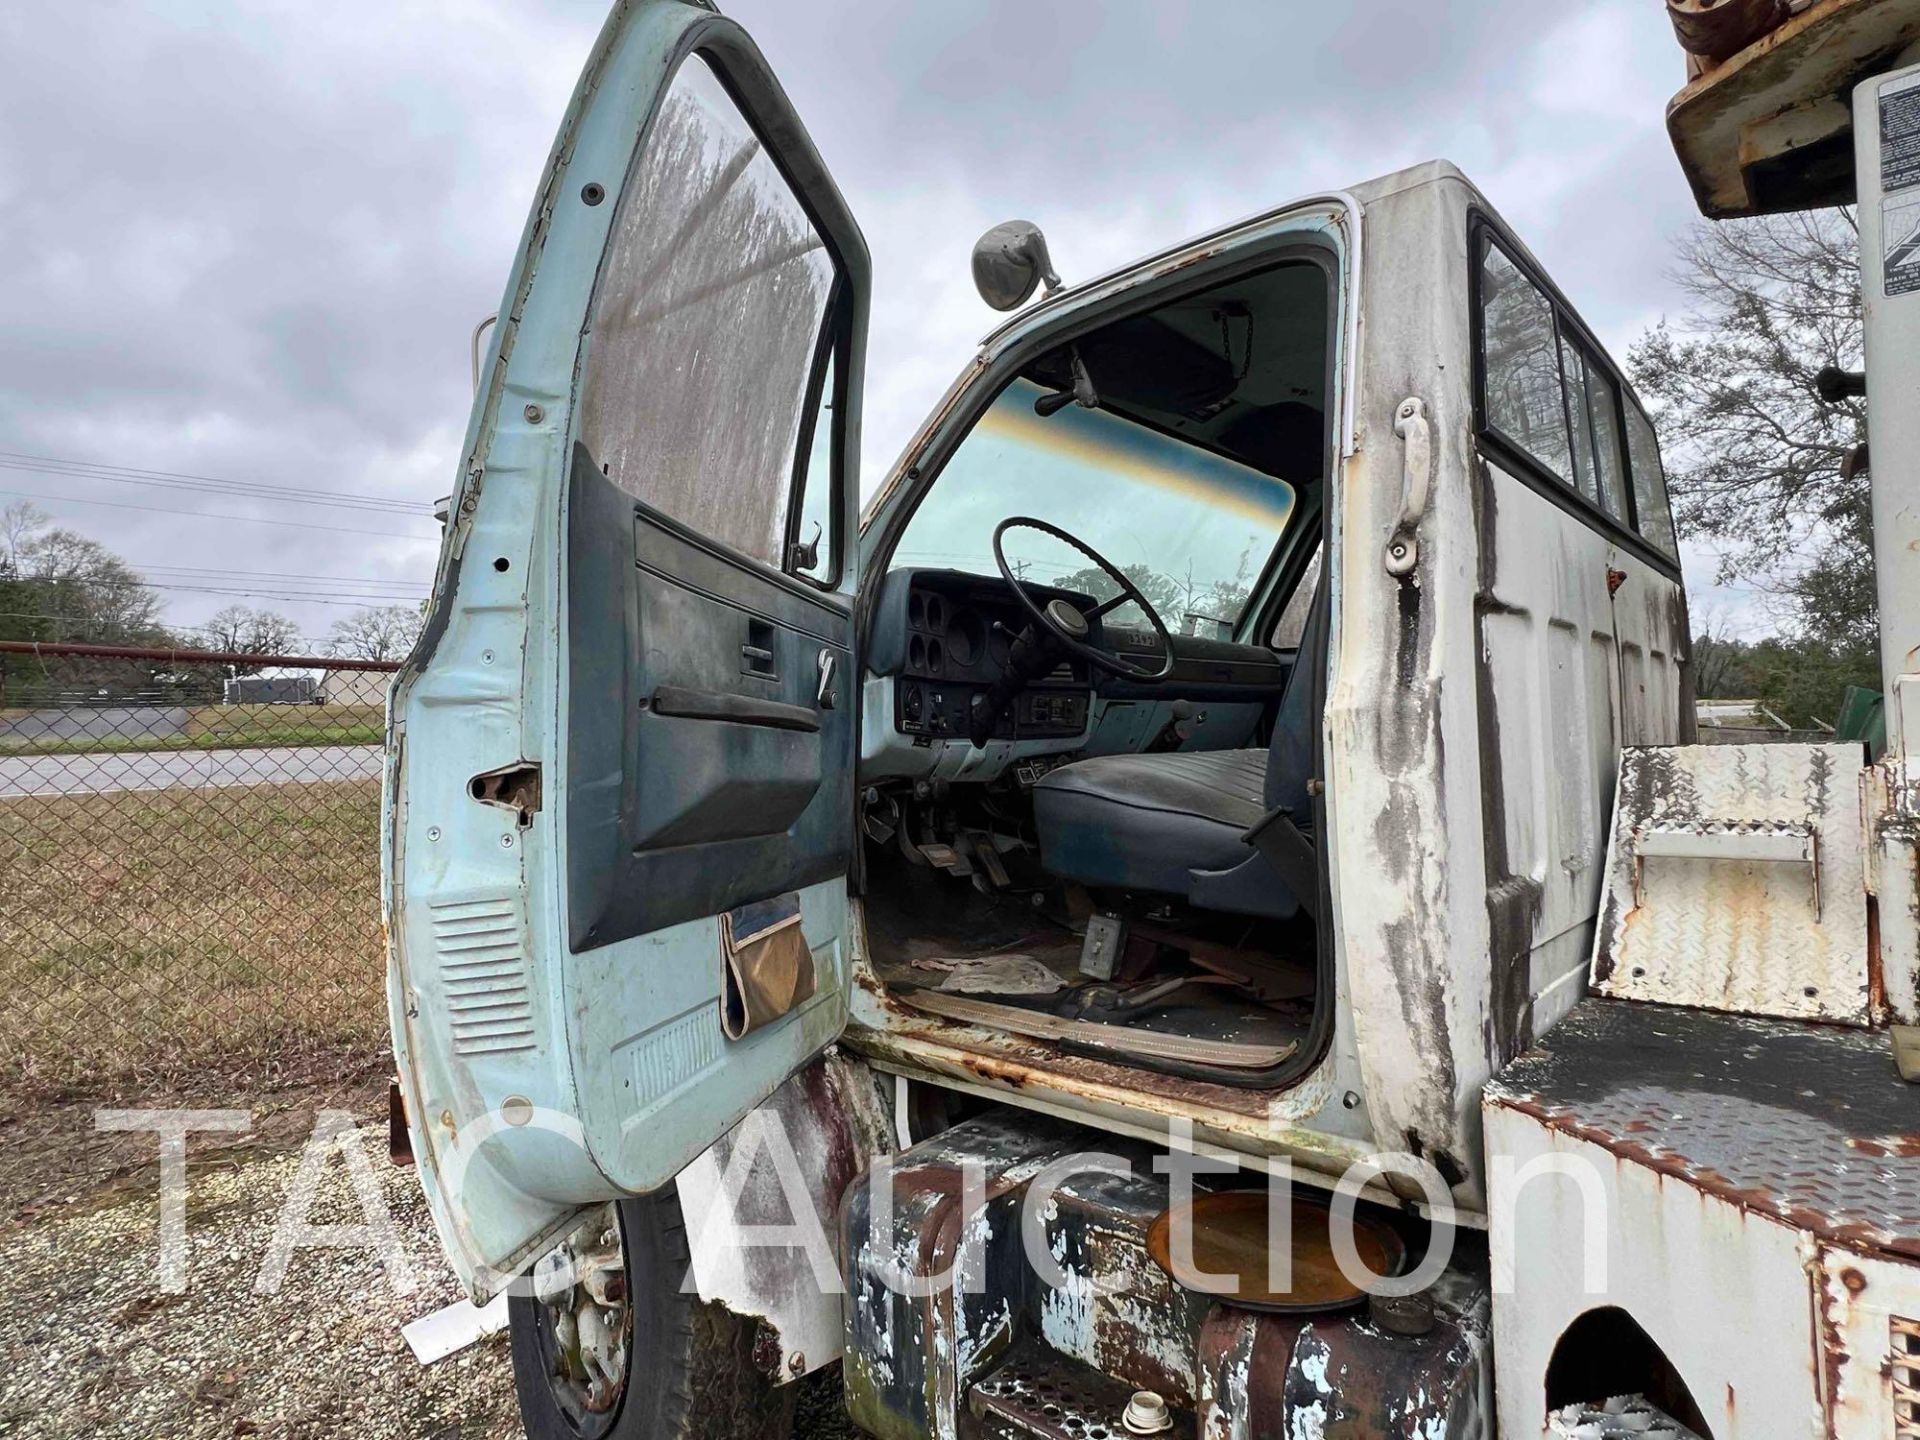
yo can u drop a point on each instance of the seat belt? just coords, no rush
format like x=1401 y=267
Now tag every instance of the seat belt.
x=1291 y=854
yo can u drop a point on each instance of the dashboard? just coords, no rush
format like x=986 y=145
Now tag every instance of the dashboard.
x=936 y=638
x=944 y=635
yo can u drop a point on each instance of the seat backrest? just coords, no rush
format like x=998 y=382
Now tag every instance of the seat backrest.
x=1296 y=723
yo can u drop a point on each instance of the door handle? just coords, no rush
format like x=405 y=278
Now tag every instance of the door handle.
x=1416 y=483
x=756 y=656
x=828 y=692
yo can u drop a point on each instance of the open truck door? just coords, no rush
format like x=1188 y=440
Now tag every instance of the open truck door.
x=619 y=804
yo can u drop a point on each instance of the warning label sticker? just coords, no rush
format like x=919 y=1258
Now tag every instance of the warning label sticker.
x=1900 y=234
x=1900 y=185
x=1900 y=134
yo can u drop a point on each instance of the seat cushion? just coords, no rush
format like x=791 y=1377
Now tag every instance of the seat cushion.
x=1145 y=822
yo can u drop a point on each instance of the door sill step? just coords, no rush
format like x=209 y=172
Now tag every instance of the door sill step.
x=1120 y=1039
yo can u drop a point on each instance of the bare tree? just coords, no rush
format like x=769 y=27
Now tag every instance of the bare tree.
x=19 y=523
x=1755 y=459
x=382 y=632
x=243 y=630
x=81 y=587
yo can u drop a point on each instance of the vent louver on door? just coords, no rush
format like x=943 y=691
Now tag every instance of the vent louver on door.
x=484 y=970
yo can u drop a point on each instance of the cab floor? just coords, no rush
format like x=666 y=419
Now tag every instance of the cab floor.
x=920 y=936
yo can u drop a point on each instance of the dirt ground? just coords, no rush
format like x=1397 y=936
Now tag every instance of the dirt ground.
x=90 y=1346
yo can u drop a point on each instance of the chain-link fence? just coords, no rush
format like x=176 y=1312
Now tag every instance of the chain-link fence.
x=189 y=860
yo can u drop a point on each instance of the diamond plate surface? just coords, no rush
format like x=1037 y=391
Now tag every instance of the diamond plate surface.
x=1625 y=1417
x=1807 y=1124
x=1734 y=932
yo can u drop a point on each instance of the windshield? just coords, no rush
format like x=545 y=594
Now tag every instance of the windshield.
x=1192 y=529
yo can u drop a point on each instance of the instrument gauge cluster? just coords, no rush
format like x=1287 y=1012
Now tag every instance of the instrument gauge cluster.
x=955 y=645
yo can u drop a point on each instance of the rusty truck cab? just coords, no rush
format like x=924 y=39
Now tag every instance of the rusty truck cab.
x=1503 y=611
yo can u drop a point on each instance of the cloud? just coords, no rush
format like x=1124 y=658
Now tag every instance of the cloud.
x=250 y=240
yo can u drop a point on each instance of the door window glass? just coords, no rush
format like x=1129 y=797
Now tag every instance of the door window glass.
x=706 y=322
x=1650 y=506
x=1523 y=397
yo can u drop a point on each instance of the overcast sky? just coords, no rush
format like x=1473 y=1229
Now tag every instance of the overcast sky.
x=249 y=241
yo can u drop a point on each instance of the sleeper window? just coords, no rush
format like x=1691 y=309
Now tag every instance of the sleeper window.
x=1603 y=414
x=1521 y=348
x=1649 y=484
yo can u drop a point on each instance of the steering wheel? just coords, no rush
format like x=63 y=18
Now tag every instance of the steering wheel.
x=1071 y=627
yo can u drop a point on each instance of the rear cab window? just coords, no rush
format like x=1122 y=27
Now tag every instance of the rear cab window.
x=1546 y=397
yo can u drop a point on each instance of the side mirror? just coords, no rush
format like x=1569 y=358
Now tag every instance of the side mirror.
x=1009 y=261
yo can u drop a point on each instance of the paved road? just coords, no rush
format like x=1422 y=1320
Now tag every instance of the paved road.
x=184 y=769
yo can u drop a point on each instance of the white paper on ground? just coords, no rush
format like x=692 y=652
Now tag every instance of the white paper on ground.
x=453 y=1328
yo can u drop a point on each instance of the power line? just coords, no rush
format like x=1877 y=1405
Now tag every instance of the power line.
x=180 y=480
x=363 y=600
x=94 y=619
x=222 y=573
x=290 y=586
x=215 y=515
x=367 y=601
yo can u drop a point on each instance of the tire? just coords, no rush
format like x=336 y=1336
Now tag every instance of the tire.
x=690 y=1370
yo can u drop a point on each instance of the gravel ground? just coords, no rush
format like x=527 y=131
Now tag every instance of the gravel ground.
x=90 y=1346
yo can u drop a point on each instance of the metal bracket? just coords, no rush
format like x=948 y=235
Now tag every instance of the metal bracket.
x=1416 y=483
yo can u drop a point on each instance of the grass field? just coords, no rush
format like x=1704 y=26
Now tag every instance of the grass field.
x=222 y=727
x=147 y=933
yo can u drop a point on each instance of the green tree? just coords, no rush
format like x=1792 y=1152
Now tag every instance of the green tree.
x=71 y=587
x=1164 y=592
x=59 y=585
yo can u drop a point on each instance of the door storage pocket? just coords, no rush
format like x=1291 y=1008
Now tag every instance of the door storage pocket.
x=769 y=965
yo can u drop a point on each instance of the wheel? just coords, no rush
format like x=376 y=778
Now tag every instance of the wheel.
x=608 y=1347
